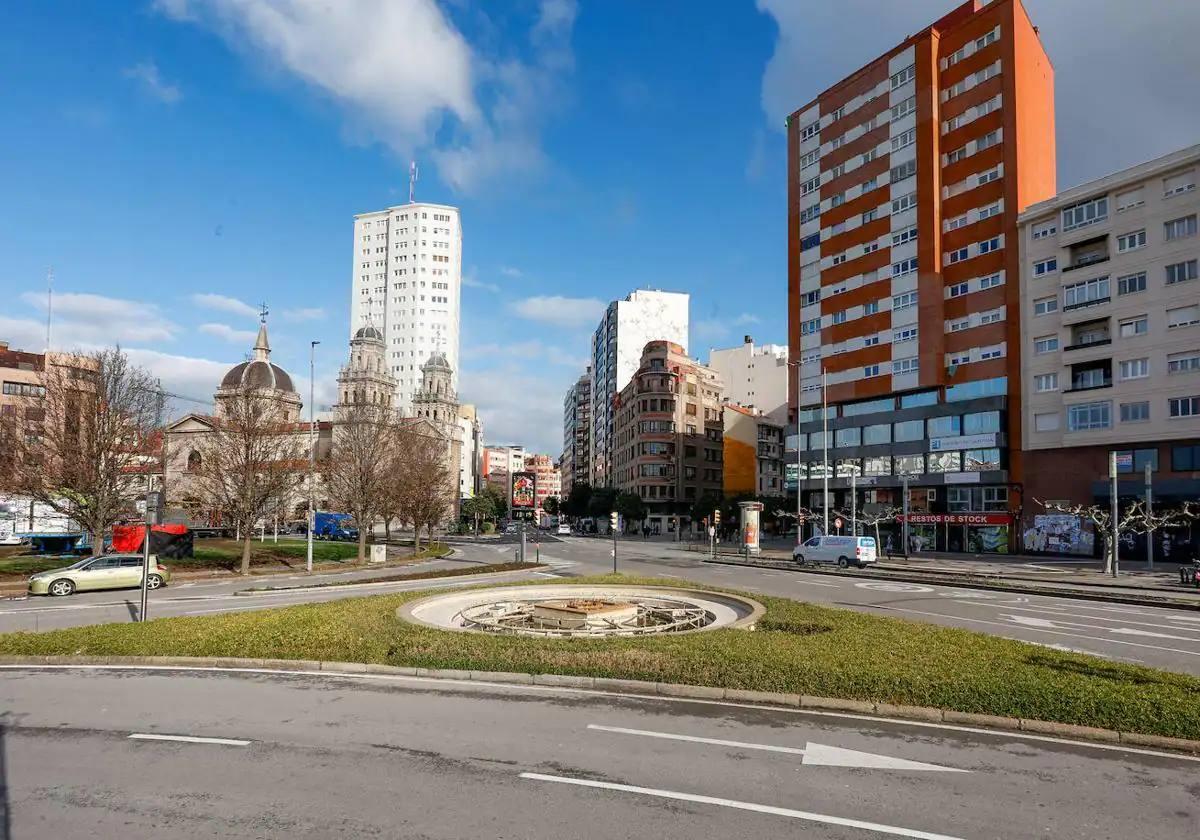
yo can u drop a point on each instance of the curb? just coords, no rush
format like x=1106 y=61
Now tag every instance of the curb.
x=636 y=688
x=973 y=583
x=434 y=580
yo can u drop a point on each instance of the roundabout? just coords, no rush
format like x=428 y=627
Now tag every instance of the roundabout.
x=562 y=611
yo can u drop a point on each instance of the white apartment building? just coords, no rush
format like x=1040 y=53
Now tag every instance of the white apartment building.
x=754 y=376
x=407 y=282
x=645 y=315
x=470 y=429
x=1110 y=292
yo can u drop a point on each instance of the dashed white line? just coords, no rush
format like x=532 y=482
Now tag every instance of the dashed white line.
x=188 y=739
x=679 y=796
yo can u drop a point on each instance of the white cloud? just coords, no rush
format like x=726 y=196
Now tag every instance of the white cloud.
x=745 y=319
x=225 y=304
x=228 y=333
x=517 y=406
x=509 y=271
x=1087 y=42
x=527 y=351
x=81 y=318
x=472 y=282
x=710 y=328
x=148 y=76
x=406 y=76
x=561 y=311
x=315 y=313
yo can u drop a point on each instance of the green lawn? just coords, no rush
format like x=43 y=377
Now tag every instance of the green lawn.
x=797 y=647
x=226 y=555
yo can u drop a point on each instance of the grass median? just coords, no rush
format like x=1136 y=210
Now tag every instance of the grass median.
x=798 y=647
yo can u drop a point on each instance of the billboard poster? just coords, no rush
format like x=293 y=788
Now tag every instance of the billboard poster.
x=524 y=493
x=1060 y=534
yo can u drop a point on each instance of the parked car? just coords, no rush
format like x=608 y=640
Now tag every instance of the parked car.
x=844 y=551
x=112 y=571
x=564 y=530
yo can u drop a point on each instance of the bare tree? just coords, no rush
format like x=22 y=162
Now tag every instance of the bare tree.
x=251 y=461
x=86 y=439
x=422 y=479
x=800 y=515
x=356 y=475
x=873 y=519
x=1133 y=519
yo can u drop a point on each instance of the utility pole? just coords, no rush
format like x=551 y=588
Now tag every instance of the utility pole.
x=1116 y=507
x=904 y=501
x=312 y=450
x=1149 y=517
x=824 y=447
x=151 y=517
x=854 y=502
x=615 y=520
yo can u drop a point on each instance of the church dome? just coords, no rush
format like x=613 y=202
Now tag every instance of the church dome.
x=259 y=372
x=369 y=331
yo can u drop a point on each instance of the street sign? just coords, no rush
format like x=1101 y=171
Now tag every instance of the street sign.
x=1124 y=459
x=837 y=523
x=712 y=532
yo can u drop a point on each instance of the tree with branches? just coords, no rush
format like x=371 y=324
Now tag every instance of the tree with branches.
x=422 y=489
x=1134 y=518
x=872 y=519
x=551 y=505
x=251 y=461
x=783 y=514
x=85 y=438
x=356 y=475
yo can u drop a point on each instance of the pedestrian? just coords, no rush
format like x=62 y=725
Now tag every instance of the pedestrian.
x=887 y=546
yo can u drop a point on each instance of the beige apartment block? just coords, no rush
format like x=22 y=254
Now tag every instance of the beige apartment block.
x=1110 y=327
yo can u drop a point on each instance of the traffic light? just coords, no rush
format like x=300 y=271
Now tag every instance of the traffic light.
x=612 y=517
x=716 y=517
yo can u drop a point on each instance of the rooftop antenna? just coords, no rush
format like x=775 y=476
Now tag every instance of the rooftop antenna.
x=49 y=303
x=413 y=174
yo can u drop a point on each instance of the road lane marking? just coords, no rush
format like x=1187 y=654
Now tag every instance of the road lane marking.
x=1049 y=632
x=679 y=796
x=188 y=739
x=1116 y=619
x=813 y=754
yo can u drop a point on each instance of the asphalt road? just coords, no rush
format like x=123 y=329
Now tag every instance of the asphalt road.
x=84 y=755
x=1164 y=638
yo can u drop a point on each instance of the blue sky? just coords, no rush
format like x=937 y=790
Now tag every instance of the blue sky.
x=177 y=162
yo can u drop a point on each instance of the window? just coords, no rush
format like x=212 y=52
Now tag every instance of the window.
x=991 y=317
x=1045 y=344
x=839 y=317
x=1041 y=230
x=870 y=307
x=904 y=139
x=1135 y=412
x=990 y=210
x=871 y=215
x=995 y=387
x=1082 y=294
x=837 y=200
x=1046 y=422
x=907 y=235
x=1131 y=283
x=909 y=464
x=991 y=280
x=810 y=298
x=870 y=340
x=1131 y=241
x=1183 y=407
x=904 y=202
x=1135 y=368
x=811 y=185
x=948 y=426
x=988 y=176
x=958 y=359
x=904 y=267
x=989 y=245
x=905 y=366
x=810 y=326
x=956 y=155
x=1185 y=458
x=838 y=170
x=1087 y=416
x=944 y=462
x=881 y=465
x=1131 y=327
x=1181 y=183
x=981 y=460
x=905 y=300
x=870 y=248
x=1085 y=213
x=1045 y=382
x=904 y=108
x=1180 y=228
x=810 y=130
x=848 y=437
x=919 y=399
x=870 y=370
x=1045 y=266
x=1184 y=316
x=810 y=158
x=1044 y=306
x=957 y=255
x=906 y=75
x=868 y=407
x=870 y=154
x=1186 y=362
x=1182 y=272
x=981 y=422
x=1130 y=199
x=837 y=142
x=907 y=334
x=960 y=325
x=908 y=430
x=989 y=139
x=957 y=222
x=877 y=434
x=838 y=259
x=958 y=289
x=904 y=170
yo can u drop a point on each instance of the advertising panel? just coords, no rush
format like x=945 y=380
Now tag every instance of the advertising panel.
x=524 y=491
x=1060 y=534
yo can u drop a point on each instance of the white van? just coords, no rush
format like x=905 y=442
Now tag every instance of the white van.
x=844 y=551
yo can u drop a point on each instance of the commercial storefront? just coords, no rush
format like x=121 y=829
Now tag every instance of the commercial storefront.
x=975 y=533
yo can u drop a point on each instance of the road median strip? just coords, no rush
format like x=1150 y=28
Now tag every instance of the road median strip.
x=432 y=574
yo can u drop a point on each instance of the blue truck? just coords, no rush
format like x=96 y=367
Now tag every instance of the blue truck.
x=334 y=526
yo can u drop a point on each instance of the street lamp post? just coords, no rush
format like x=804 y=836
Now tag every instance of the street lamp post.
x=312 y=451
x=824 y=448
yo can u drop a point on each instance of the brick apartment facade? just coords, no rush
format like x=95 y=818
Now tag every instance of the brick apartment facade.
x=904 y=184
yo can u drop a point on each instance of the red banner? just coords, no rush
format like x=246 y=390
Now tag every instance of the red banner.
x=957 y=519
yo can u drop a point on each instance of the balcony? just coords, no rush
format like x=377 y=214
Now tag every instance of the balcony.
x=1090 y=376
x=1093 y=333
x=1088 y=252
x=1088 y=386
x=1083 y=345
x=1085 y=262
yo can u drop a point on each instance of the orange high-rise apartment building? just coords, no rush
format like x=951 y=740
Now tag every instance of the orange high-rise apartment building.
x=904 y=184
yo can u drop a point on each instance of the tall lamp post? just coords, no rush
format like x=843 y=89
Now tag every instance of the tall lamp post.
x=312 y=450
x=824 y=450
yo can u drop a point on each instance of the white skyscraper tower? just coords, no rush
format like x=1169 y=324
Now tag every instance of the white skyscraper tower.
x=408 y=284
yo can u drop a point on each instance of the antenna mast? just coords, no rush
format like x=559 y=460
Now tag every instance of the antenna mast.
x=412 y=181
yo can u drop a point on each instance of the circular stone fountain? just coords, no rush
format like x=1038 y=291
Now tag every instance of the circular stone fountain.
x=582 y=611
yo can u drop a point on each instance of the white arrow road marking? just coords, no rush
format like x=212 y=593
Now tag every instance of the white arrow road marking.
x=1114 y=619
x=1195 y=618
x=189 y=739
x=818 y=755
x=1129 y=631
x=895 y=831
x=1030 y=621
